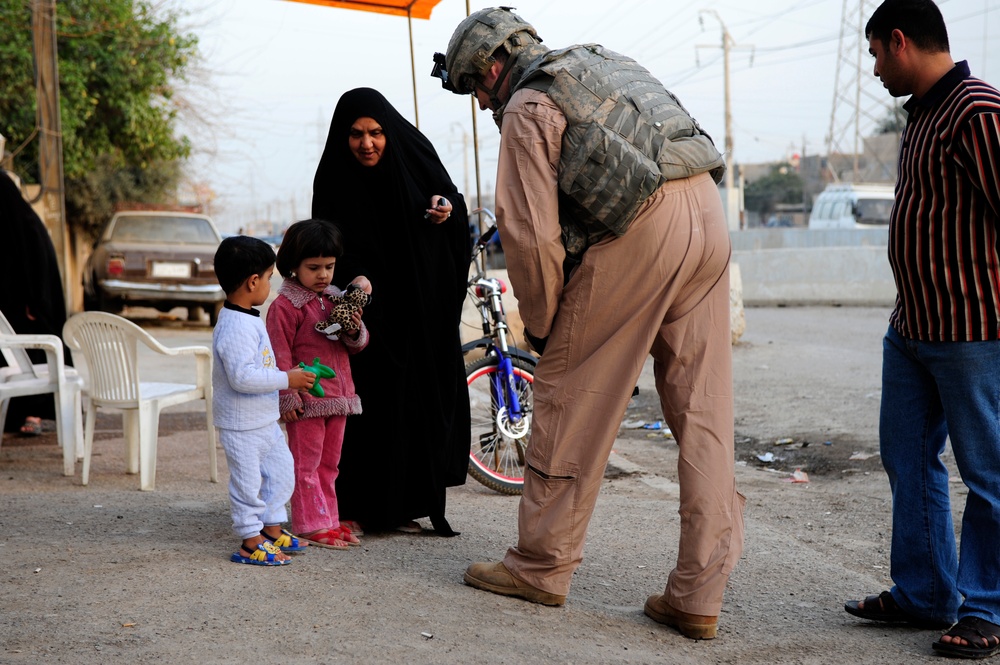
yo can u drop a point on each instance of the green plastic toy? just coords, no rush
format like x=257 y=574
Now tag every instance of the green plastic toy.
x=321 y=371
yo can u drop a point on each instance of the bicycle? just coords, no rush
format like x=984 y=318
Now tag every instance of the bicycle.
x=500 y=392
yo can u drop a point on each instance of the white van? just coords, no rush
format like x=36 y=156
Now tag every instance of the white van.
x=852 y=206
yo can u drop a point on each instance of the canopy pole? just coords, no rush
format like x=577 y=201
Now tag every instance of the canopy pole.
x=475 y=140
x=413 y=67
x=473 y=102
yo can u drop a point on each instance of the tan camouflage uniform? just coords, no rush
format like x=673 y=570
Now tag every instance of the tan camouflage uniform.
x=662 y=288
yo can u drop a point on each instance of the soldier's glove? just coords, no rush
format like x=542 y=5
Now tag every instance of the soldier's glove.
x=536 y=343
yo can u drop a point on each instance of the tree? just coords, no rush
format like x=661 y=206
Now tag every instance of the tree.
x=894 y=120
x=119 y=62
x=781 y=185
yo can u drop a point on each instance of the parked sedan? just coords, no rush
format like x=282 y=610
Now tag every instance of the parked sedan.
x=155 y=259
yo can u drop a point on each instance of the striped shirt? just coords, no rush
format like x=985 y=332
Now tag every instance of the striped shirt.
x=945 y=224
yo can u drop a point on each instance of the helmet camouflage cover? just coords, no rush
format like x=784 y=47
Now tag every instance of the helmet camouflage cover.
x=471 y=47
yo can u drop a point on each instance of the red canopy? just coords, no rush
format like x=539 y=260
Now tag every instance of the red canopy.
x=411 y=8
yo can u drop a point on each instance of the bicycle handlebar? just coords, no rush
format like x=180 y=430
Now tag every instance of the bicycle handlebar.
x=488 y=234
x=485 y=211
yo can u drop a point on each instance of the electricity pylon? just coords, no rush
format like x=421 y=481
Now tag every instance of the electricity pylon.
x=859 y=102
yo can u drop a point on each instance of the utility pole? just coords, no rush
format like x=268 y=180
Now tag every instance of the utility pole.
x=475 y=156
x=732 y=196
x=50 y=153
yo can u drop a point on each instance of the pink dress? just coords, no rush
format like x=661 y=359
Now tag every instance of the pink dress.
x=317 y=437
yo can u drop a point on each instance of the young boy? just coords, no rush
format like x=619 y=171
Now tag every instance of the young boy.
x=246 y=382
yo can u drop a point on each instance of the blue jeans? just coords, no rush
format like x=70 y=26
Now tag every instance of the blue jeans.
x=930 y=391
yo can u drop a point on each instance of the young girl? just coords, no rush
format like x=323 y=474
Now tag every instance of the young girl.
x=315 y=425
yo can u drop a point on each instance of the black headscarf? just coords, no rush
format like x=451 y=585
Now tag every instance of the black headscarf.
x=411 y=378
x=29 y=281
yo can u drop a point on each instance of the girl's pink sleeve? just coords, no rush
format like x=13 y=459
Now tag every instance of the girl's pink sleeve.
x=355 y=345
x=282 y=324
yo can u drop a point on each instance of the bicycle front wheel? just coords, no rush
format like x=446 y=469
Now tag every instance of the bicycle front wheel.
x=499 y=441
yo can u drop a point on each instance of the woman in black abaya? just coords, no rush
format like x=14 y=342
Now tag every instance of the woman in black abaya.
x=31 y=295
x=382 y=183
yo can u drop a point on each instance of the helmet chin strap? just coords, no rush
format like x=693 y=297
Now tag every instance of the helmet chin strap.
x=494 y=92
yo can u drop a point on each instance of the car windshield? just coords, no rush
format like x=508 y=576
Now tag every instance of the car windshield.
x=874 y=211
x=162 y=228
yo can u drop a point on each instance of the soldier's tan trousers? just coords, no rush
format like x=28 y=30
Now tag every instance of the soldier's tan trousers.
x=662 y=288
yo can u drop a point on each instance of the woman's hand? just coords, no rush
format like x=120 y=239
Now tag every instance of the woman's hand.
x=440 y=209
x=363 y=283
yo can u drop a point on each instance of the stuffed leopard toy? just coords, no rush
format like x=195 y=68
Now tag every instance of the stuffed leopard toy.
x=339 y=320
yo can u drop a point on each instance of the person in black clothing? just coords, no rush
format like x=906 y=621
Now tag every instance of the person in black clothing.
x=405 y=226
x=31 y=296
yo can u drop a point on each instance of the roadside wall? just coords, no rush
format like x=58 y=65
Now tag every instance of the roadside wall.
x=773 y=267
x=789 y=266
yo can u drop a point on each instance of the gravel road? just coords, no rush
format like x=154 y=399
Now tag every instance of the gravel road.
x=107 y=574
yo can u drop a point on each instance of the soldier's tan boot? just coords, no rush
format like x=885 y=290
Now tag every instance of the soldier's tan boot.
x=695 y=626
x=496 y=578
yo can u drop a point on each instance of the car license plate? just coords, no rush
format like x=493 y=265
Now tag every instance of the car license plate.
x=170 y=269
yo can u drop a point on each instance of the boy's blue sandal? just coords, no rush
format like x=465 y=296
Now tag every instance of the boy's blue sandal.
x=263 y=555
x=286 y=542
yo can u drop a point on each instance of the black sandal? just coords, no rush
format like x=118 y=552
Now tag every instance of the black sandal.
x=982 y=636
x=883 y=607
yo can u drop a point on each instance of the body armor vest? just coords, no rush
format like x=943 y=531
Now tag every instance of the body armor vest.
x=626 y=135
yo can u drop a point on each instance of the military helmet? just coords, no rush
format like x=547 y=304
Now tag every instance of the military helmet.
x=471 y=47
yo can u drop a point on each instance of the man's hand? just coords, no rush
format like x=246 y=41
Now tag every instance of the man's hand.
x=363 y=283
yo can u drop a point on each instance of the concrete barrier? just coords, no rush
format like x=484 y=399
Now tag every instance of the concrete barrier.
x=773 y=267
x=782 y=238
x=814 y=267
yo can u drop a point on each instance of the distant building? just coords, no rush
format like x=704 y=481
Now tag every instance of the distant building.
x=877 y=164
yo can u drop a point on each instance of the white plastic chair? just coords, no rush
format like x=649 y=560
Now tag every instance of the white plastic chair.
x=109 y=347
x=21 y=377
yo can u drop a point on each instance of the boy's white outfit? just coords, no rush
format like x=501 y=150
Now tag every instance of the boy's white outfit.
x=246 y=381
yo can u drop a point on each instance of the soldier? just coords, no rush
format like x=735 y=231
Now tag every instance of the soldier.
x=616 y=246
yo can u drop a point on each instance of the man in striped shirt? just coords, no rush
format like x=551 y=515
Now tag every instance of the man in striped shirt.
x=941 y=354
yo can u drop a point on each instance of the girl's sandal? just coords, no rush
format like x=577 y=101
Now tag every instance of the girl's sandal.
x=354 y=526
x=328 y=538
x=347 y=536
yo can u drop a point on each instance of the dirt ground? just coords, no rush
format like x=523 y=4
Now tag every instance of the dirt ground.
x=107 y=574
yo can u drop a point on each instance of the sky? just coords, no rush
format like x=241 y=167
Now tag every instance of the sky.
x=270 y=72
